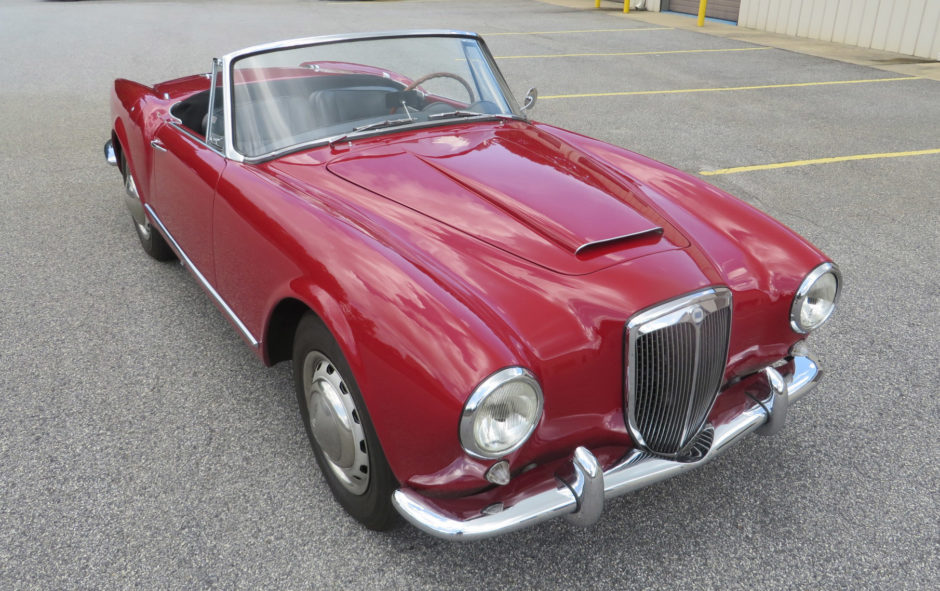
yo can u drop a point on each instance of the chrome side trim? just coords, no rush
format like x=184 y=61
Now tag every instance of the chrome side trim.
x=109 y=154
x=624 y=238
x=202 y=279
x=638 y=469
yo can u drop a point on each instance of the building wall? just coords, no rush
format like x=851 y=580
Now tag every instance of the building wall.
x=910 y=27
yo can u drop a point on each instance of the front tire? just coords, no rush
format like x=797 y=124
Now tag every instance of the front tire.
x=339 y=428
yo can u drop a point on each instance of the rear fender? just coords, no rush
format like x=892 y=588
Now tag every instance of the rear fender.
x=136 y=115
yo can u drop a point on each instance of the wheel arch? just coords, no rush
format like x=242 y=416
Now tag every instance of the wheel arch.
x=281 y=328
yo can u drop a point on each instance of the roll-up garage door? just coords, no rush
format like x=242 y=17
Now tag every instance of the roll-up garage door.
x=723 y=9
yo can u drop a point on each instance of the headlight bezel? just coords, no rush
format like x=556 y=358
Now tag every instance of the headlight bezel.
x=477 y=400
x=799 y=298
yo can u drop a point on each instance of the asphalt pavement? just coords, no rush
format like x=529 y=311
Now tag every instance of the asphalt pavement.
x=142 y=445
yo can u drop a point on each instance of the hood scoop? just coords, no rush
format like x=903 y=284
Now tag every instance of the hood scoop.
x=519 y=190
x=617 y=241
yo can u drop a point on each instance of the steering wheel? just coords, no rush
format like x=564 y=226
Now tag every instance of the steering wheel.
x=427 y=77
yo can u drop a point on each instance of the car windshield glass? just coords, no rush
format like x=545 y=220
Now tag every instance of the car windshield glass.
x=294 y=96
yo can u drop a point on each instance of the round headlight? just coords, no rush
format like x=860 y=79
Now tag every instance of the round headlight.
x=501 y=413
x=816 y=299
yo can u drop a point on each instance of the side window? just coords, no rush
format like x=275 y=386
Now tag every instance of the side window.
x=215 y=129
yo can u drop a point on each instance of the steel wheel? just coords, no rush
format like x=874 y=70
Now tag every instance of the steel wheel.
x=339 y=427
x=335 y=423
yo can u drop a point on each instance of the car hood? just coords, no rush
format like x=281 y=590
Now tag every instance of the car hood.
x=518 y=189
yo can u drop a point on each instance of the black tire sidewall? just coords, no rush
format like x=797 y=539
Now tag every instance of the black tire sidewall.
x=374 y=507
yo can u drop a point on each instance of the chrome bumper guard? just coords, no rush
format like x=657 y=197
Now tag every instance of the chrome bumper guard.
x=581 y=498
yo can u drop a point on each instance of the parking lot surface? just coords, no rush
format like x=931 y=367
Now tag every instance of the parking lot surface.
x=142 y=445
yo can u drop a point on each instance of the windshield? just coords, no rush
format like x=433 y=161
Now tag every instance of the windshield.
x=290 y=97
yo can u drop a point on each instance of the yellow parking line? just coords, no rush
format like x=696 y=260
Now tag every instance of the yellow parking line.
x=579 y=31
x=685 y=90
x=549 y=55
x=818 y=161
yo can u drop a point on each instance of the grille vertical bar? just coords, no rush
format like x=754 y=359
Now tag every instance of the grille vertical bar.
x=676 y=358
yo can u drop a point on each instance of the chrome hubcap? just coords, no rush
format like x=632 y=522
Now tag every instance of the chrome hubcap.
x=136 y=207
x=335 y=423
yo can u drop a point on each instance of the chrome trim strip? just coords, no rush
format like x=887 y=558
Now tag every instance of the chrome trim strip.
x=201 y=278
x=325 y=39
x=625 y=237
x=638 y=469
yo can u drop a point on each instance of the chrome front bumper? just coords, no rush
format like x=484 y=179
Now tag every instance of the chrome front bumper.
x=580 y=498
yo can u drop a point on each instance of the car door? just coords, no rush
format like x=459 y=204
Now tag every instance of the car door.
x=186 y=171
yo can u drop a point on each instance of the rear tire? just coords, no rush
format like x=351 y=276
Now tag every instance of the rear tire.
x=339 y=428
x=151 y=240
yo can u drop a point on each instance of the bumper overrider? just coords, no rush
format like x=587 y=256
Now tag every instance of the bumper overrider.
x=579 y=491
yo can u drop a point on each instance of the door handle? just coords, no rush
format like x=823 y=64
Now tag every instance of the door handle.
x=157 y=144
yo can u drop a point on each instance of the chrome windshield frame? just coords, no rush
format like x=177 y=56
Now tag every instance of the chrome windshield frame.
x=228 y=60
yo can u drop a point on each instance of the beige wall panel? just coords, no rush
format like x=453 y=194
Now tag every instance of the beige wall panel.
x=882 y=22
x=913 y=25
x=928 y=39
x=778 y=17
x=816 y=19
x=830 y=7
x=763 y=14
x=910 y=27
x=793 y=22
x=841 y=25
x=783 y=17
x=745 y=17
x=869 y=21
x=853 y=25
x=896 y=25
x=806 y=14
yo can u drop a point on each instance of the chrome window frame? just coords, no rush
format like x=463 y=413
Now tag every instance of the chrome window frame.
x=229 y=59
x=216 y=69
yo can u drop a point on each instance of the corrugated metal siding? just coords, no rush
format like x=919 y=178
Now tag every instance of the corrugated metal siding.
x=910 y=27
x=723 y=9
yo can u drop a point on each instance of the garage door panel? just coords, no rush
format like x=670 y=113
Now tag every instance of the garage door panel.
x=723 y=9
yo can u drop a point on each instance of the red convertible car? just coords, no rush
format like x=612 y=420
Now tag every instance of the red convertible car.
x=491 y=321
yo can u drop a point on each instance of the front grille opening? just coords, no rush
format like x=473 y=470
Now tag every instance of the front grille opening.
x=675 y=362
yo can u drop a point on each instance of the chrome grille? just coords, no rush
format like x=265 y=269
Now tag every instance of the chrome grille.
x=676 y=356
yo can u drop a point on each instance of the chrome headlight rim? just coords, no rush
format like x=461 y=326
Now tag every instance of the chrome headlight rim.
x=801 y=294
x=479 y=396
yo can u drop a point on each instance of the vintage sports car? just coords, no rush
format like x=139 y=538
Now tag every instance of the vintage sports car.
x=491 y=321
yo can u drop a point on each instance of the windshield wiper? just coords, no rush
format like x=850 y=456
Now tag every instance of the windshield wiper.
x=369 y=126
x=380 y=124
x=454 y=114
